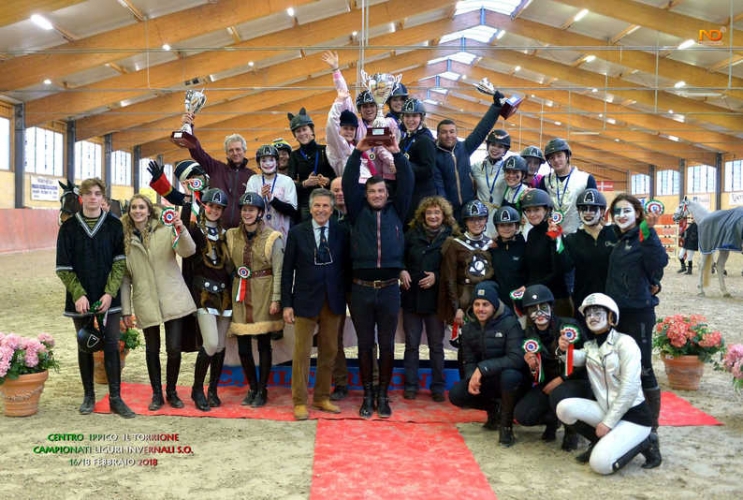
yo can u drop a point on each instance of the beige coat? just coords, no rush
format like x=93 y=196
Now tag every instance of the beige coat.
x=153 y=283
x=252 y=317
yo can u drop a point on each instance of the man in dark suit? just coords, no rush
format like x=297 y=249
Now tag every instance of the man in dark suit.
x=313 y=292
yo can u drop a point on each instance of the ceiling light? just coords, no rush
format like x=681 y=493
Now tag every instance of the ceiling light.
x=580 y=15
x=251 y=63
x=594 y=90
x=673 y=138
x=500 y=34
x=679 y=84
x=670 y=111
x=558 y=123
x=686 y=44
x=47 y=81
x=601 y=115
x=392 y=27
x=42 y=22
x=590 y=58
x=290 y=11
x=354 y=33
x=166 y=46
x=611 y=121
x=517 y=69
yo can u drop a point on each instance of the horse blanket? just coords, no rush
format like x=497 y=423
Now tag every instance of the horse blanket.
x=721 y=230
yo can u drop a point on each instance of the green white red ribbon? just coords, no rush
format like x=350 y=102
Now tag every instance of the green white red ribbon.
x=167 y=217
x=572 y=334
x=244 y=273
x=535 y=347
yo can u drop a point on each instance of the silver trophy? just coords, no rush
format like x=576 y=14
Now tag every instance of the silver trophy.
x=509 y=105
x=381 y=86
x=184 y=137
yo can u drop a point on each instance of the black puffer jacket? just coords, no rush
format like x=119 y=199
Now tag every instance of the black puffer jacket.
x=495 y=347
x=422 y=255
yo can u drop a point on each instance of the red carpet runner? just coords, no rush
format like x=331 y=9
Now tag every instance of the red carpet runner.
x=359 y=460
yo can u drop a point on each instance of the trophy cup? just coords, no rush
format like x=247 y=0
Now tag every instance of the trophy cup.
x=184 y=138
x=509 y=105
x=381 y=86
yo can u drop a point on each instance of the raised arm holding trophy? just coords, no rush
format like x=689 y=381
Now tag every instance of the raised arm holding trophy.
x=184 y=137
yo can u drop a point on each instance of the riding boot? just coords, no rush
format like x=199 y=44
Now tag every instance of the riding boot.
x=688 y=267
x=172 y=369
x=551 y=425
x=365 y=367
x=248 y=365
x=589 y=433
x=215 y=372
x=493 y=421
x=652 y=455
x=264 y=371
x=632 y=453
x=507 y=401
x=86 y=363
x=113 y=371
x=203 y=360
x=570 y=439
x=387 y=359
x=154 y=372
x=683 y=266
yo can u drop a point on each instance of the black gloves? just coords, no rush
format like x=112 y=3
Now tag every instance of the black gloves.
x=155 y=169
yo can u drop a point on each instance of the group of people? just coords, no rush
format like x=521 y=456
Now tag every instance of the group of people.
x=377 y=228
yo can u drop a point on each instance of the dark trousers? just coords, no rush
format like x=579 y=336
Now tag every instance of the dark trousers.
x=534 y=408
x=639 y=325
x=491 y=389
x=413 y=325
x=173 y=334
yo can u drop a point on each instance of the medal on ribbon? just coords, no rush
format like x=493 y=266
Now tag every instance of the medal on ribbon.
x=533 y=346
x=167 y=217
x=655 y=207
x=572 y=334
x=244 y=273
x=372 y=156
x=406 y=155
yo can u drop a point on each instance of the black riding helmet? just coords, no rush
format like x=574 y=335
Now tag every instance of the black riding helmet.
x=536 y=198
x=537 y=294
x=591 y=197
x=506 y=215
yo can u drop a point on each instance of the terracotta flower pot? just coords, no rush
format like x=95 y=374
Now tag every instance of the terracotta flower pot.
x=21 y=396
x=684 y=372
x=99 y=368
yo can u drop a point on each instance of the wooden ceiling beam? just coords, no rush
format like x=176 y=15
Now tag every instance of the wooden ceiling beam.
x=113 y=45
x=14 y=12
x=168 y=75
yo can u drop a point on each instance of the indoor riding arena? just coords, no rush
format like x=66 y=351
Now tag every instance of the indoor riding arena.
x=96 y=93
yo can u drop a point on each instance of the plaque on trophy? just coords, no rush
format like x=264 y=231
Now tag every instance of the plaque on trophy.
x=184 y=137
x=509 y=105
x=380 y=86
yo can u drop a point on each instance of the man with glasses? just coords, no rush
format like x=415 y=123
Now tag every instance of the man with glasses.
x=313 y=292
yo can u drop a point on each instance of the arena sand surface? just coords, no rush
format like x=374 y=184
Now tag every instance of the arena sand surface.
x=259 y=459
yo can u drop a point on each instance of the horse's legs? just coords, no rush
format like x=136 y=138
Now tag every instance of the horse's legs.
x=721 y=259
x=704 y=268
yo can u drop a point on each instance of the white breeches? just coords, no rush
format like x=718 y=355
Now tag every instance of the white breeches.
x=687 y=255
x=213 y=331
x=622 y=438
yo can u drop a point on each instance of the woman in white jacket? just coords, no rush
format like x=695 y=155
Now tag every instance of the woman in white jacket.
x=611 y=413
x=153 y=289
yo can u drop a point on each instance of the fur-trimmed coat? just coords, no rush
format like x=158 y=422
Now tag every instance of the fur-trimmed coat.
x=251 y=316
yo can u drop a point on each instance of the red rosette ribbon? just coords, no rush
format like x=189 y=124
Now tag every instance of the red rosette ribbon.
x=572 y=334
x=167 y=217
x=533 y=346
x=244 y=273
x=516 y=296
x=557 y=217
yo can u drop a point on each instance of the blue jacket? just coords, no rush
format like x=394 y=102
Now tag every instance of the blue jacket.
x=304 y=285
x=452 y=173
x=633 y=267
x=377 y=236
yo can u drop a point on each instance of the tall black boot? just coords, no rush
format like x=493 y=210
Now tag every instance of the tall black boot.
x=550 y=427
x=86 y=363
x=365 y=367
x=688 y=267
x=154 y=372
x=507 y=402
x=203 y=360
x=632 y=453
x=683 y=266
x=493 y=421
x=652 y=454
x=248 y=365
x=264 y=373
x=172 y=369
x=386 y=362
x=570 y=439
x=113 y=371
x=215 y=372
x=589 y=433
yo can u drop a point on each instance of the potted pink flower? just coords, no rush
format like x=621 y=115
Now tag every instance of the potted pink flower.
x=732 y=363
x=24 y=367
